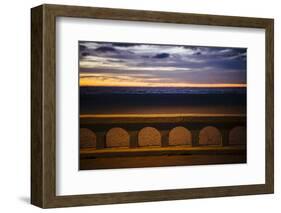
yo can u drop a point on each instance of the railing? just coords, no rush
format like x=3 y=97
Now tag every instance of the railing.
x=134 y=155
x=133 y=124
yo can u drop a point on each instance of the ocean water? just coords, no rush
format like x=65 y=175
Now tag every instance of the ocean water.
x=159 y=90
x=146 y=100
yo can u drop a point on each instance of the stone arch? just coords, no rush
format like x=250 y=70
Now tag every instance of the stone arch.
x=237 y=135
x=149 y=136
x=87 y=138
x=179 y=136
x=210 y=136
x=117 y=137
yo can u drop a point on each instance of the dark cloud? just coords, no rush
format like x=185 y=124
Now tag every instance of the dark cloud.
x=124 y=44
x=240 y=50
x=161 y=55
x=116 y=61
x=85 y=54
x=105 y=49
x=190 y=47
x=235 y=64
x=82 y=47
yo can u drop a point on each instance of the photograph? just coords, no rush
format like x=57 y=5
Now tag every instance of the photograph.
x=151 y=105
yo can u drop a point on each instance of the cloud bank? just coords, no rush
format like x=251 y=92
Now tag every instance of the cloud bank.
x=132 y=64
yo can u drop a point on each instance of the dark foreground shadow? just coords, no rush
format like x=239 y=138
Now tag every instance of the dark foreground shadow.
x=24 y=199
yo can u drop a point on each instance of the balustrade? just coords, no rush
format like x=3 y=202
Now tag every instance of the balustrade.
x=133 y=127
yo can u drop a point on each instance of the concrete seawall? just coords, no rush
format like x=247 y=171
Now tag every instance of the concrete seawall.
x=157 y=137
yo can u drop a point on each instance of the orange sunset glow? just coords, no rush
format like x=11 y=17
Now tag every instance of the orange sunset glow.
x=115 y=83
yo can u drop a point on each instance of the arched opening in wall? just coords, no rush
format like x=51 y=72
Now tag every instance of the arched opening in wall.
x=238 y=136
x=179 y=136
x=149 y=136
x=117 y=137
x=87 y=138
x=210 y=136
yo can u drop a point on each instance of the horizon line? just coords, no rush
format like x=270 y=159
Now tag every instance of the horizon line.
x=193 y=86
x=163 y=115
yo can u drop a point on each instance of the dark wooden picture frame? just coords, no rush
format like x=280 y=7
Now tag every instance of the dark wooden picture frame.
x=43 y=105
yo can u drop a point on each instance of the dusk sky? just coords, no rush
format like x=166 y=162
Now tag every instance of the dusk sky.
x=151 y=65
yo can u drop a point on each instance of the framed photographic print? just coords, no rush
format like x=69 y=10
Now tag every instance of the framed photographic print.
x=137 y=106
